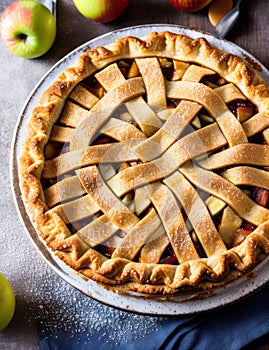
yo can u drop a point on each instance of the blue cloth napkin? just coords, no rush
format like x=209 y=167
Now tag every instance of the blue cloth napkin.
x=232 y=327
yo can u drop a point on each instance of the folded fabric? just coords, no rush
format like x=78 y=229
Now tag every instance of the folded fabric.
x=232 y=327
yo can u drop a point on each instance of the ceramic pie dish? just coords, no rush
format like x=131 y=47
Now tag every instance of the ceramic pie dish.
x=143 y=170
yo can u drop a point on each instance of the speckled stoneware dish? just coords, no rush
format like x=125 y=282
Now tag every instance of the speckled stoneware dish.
x=174 y=305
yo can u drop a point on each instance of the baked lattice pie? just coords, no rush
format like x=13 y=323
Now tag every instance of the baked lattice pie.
x=145 y=165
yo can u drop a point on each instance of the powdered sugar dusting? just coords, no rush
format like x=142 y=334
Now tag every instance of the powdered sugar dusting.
x=63 y=309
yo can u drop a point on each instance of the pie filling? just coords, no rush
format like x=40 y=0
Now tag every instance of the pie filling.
x=157 y=167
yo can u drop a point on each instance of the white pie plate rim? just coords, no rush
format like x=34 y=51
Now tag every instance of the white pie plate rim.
x=133 y=302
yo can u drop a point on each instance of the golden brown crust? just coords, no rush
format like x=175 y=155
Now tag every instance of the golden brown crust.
x=142 y=277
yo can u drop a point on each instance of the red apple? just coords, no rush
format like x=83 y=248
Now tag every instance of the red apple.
x=27 y=28
x=189 y=5
x=103 y=11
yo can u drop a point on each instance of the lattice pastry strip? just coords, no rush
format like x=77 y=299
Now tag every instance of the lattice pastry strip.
x=137 y=236
x=110 y=204
x=154 y=81
x=174 y=224
x=104 y=153
x=190 y=146
x=60 y=190
x=197 y=213
x=100 y=113
x=83 y=97
x=246 y=175
x=77 y=209
x=213 y=103
x=196 y=73
x=171 y=130
x=251 y=154
x=98 y=231
x=145 y=117
x=153 y=249
x=229 y=93
x=73 y=114
x=226 y=191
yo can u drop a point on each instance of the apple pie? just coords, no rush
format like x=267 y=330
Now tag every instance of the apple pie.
x=144 y=166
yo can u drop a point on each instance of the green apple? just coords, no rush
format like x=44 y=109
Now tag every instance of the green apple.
x=27 y=28
x=103 y=11
x=7 y=302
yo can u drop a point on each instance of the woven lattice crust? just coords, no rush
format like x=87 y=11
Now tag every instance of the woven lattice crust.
x=223 y=264
x=161 y=279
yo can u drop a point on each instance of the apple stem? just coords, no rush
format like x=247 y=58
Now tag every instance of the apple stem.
x=23 y=37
